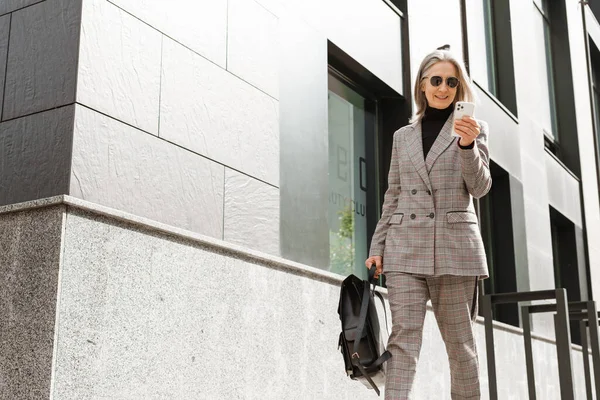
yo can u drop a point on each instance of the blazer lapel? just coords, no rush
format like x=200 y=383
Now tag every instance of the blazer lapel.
x=414 y=147
x=441 y=143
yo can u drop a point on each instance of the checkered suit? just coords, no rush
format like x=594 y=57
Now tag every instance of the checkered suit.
x=431 y=245
x=454 y=301
x=428 y=225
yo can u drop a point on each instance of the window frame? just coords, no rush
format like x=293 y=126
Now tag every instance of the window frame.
x=490 y=47
x=497 y=206
x=499 y=58
x=371 y=108
x=392 y=112
x=552 y=139
x=565 y=254
x=594 y=81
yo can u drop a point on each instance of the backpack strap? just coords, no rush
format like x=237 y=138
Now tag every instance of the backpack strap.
x=384 y=311
x=373 y=281
x=356 y=362
x=386 y=355
x=364 y=307
x=382 y=358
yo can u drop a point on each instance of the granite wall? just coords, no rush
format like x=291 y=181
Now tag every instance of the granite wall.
x=30 y=258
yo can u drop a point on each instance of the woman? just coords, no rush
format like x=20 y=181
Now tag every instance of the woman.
x=428 y=238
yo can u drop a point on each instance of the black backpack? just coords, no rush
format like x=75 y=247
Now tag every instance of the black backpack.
x=360 y=340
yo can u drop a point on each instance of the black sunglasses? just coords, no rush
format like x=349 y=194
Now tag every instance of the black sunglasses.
x=436 y=81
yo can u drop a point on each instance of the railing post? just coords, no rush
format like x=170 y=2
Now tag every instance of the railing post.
x=586 y=359
x=528 y=351
x=563 y=346
x=593 y=324
x=486 y=305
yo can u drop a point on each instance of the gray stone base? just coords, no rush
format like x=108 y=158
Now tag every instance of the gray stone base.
x=30 y=252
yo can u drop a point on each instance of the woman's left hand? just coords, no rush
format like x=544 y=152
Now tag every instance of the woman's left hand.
x=468 y=129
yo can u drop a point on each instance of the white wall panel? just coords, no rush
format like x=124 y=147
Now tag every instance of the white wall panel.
x=563 y=191
x=119 y=65
x=200 y=25
x=124 y=168
x=212 y=112
x=251 y=213
x=253 y=45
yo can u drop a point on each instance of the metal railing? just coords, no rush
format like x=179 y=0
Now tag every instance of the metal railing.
x=595 y=354
x=578 y=311
x=561 y=326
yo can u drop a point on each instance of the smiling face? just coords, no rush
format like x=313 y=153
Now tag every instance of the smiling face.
x=440 y=96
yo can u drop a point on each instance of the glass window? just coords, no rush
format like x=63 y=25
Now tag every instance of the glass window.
x=349 y=122
x=597 y=113
x=545 y=74
x=478 y=29
x=495 y=213
x=490 y=49
x=595 y=61
x=565 y=258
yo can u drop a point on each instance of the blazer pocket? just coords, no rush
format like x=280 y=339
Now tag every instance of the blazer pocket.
x=461 y=217
x=396 y=219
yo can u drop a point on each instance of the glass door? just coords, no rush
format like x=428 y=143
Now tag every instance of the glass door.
x=351 y=126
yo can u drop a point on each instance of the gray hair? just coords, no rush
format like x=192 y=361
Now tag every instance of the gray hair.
x=464 y=92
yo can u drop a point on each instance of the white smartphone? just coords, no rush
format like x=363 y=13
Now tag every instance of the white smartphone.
x=462 y=108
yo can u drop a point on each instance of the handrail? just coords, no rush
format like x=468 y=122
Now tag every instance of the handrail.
x=563 y=338
x=573 y=306
x=515 y=297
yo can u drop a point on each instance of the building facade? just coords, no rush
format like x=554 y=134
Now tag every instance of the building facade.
x=184 y=185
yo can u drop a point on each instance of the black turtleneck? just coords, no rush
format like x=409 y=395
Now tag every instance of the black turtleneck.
x=431 y=124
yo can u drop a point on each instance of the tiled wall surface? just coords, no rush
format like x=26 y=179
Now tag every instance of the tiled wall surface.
x=128 y=169
x=168 y=97
x=41 y=66
x=35 y=154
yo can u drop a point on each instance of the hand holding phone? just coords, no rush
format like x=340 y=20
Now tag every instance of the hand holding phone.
x=461 y=109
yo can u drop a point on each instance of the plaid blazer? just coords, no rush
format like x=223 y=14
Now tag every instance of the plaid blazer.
x=428 y=225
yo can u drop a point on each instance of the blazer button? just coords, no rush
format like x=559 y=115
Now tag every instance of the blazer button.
x=413 y=216
x=431 y=215
x=414 y=191
x=429 y=192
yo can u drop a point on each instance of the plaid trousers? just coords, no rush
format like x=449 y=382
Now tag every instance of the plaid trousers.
x=454 y=301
